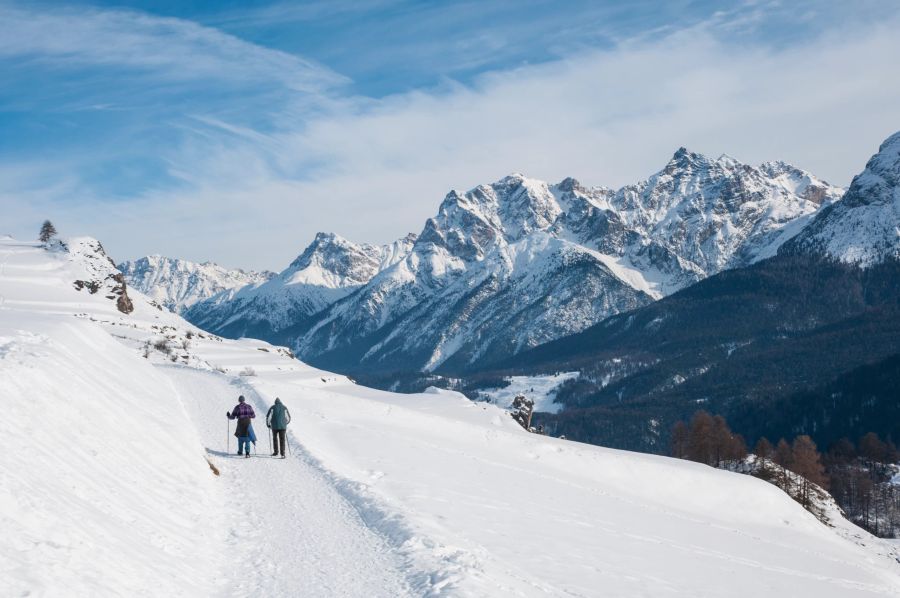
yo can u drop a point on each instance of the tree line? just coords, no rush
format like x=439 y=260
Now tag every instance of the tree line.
x=859 y=476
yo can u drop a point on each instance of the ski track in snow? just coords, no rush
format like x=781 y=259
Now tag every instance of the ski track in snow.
x=290 y=531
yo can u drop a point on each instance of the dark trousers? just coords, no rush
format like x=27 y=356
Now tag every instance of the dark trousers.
x=278 y=441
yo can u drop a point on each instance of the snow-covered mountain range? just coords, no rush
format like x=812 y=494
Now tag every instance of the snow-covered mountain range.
x=177 y=284
x=507 y=266
x=328 y=270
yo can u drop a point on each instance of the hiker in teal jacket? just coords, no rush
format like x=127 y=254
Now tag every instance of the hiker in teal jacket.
x=278 y=419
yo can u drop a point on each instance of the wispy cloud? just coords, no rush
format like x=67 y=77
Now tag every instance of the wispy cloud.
x=168 y=48
x=252 y=192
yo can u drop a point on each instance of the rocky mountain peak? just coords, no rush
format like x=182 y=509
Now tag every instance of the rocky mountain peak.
x=322 y=245
x=685 y=160
x=525 y=205
x=570 y=185
x=333 y=261
x=864 y=227
x=503 y=211
x=880 y=181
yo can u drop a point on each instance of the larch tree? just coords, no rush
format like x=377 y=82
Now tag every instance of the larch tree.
x=721 y=440
x=872 y=449
x=680 y=438
x=700 y=443
x=841 y=452
x=784 y=458
x=764 y=451
x=807 y=463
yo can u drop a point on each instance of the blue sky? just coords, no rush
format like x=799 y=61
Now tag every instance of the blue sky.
x=233 y=131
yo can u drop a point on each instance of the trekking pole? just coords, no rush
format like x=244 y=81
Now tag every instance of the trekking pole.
x=287 y=441
x=227 y=436
x=270 y=441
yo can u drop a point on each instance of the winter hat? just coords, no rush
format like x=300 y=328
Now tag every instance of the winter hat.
x=277 y=400
x=241 y=399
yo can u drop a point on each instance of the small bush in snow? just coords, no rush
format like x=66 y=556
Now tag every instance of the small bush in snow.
x=248 y=371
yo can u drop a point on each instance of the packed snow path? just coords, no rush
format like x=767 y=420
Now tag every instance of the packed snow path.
x=290 y=532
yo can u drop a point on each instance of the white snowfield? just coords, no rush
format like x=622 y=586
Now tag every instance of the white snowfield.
x=105 y=489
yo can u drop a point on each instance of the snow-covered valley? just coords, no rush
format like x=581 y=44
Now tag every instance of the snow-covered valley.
x=115 y=425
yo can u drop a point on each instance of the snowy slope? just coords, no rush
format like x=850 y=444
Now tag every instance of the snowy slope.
x=103 y=485
x=178 y=284
x=864 y=227
x=101 y=469
x=109 y=493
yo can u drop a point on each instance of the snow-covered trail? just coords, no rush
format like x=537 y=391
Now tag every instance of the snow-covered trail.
x=290 y=532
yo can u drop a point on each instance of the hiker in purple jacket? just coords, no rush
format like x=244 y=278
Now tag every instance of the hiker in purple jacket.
x=243 y=413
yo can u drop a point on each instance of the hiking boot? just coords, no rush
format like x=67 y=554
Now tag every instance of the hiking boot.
x=275 y=454
x=247 y=456
x=282 y=456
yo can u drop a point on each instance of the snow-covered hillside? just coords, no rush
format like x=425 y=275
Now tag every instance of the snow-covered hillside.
x=178 y=284
x=864 y=227
x=106 y=490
